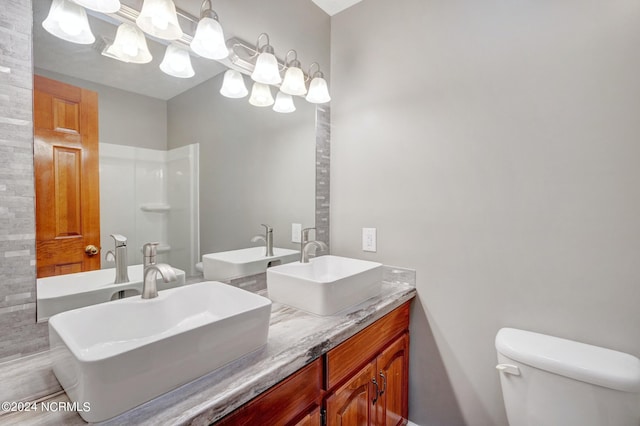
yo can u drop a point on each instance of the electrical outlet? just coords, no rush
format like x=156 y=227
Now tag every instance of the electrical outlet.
x=369 y=242
x=296 y=231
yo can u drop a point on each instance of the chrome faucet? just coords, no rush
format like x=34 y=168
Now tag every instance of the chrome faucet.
x=149 y=287
x=267 y=238
x=119 y=256
x=306 y=245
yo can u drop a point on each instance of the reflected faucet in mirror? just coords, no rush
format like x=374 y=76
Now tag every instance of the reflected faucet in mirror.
x=119 y=256
x=267 y=238
x=307 y=245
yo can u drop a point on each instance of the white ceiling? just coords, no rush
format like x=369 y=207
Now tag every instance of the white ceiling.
x=335 y=6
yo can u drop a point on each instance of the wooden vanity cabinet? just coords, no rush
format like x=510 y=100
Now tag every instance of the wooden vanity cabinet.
x=291 y=402
x=361 y=382
x=375 y=391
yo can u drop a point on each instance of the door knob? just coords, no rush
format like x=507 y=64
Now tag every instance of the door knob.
x=91 y=250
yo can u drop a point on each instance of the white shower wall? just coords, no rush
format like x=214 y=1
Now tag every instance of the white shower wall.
x=150 y=195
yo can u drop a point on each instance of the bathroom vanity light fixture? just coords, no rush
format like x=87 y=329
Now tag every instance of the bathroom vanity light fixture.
x=159 y=19
x=130 y=45
x=209 y=41
x=177 y=62
x=233 y=85
x=266 y=70
x=104 y=6
x=284 y=103
x=293 y=83
x=318 y=90
x=243 y=57
x=68 y=21
x=261 y=95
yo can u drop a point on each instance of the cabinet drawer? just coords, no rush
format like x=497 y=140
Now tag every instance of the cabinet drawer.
x=284 y=402
x=349 y=355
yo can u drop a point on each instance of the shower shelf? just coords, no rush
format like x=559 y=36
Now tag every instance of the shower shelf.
x=155 y=207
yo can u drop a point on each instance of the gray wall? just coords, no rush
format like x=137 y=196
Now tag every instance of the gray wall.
x=125 y=118
x=20 y=335
x=495 y=147
x=256 y=165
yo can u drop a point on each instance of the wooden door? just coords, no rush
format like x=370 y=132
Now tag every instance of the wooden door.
x=393 y=376
x=351 y=403
x=66 y=177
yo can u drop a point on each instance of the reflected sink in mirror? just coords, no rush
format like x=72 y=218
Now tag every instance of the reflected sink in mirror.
x=231 y=264
x=119 y=355
x=65 y=292
x=326 y=285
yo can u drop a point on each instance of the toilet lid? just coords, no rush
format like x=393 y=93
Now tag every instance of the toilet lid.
x=579 y=361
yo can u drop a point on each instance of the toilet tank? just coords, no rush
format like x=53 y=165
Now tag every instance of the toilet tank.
x=549 y=381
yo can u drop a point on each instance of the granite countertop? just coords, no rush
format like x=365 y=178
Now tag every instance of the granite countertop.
x=295 y=339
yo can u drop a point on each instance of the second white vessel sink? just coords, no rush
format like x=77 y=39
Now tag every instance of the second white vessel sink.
x=226 y=265
x=119 y=355
x=326 y=285
x=65 y=292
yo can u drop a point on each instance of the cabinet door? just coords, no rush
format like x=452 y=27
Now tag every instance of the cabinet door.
x=393 y=378
x=351 y=403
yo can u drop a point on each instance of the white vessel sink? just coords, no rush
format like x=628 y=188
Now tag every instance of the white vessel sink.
x=119 y=355
x=326 y=285
x=65 y=292
x=227 y=265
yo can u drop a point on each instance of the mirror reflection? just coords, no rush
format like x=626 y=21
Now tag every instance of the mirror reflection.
x=178 y=163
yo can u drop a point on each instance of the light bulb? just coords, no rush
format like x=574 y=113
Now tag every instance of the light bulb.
x=177 y=62
x=233 y=85
x=284 y=103
x=261 y=95
x=68 y=21
x=160 y=22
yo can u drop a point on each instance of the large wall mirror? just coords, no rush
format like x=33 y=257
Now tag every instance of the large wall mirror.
x=180 y=163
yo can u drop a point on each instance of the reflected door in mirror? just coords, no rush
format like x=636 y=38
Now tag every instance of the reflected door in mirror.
x=66 y=178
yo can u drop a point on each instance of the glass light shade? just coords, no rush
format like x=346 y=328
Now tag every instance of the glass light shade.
x=293 y=83
x=159 y=19
x=261 y=95
x=104 y=6
x=130 y=45
x=208 y=41
x=266 y=70
x=68 y=21
x=318 y=91
x=177 y=62
x=233 y=85
x=284 y=103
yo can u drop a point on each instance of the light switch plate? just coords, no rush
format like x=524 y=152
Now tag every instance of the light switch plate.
x=296 y=231
x=369 y=242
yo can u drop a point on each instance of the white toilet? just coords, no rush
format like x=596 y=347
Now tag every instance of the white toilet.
x=548 y=381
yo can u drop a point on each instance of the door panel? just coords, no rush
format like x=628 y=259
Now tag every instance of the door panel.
x=66 y=177
x=350 y=405
x=393 y=367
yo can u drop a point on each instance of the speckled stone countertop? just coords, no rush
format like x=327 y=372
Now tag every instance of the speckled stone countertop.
x=295 y=339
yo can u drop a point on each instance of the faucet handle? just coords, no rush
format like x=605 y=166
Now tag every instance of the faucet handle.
x=120 y=240
x=267 y=228
x=150 y=249
x=305 y=234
